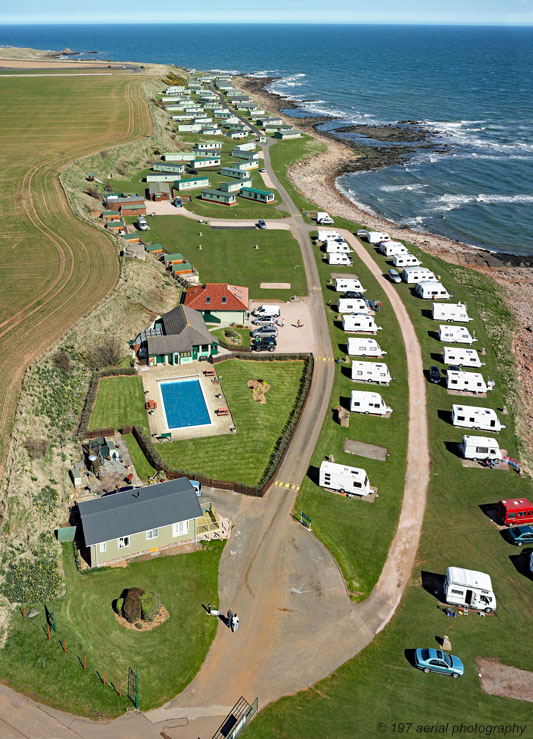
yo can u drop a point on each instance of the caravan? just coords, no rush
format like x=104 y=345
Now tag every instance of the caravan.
x=337 y=247
x=353 y=305
x=324 y=219
x=344 y=479
x=478 y=419
x=344 y=284
x=390 y=248
x=405 y=260
x=359 y=324
x=431 y=290
x=360 y=347
x=339 y=259
x=468 y=382
x=456 y=335
x=329 y=236
x=451 y=312
x=371 y=372
x=480 y=448
x=373 y=237
x=362 y=401
x=412 y=275
x=461 y=357
x=469 y=588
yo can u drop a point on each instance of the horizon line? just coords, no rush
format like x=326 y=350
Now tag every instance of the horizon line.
x=496 y=24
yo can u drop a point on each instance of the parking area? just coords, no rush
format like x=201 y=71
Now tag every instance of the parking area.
x=292 y=338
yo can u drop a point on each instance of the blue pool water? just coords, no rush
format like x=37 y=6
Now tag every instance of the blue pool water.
x=184 y=404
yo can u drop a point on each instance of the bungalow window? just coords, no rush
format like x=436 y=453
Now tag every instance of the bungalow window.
x=103 y=546
x=152 y=534
x=180 y=528
x=123 y=542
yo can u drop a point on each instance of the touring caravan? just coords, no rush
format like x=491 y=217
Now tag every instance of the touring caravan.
x=412 y=275
x=329 y=235
x=469 y=382
x=450 y=312
x=469 y=588
x=352 y=305
x=479 y=419
x=324 y=219
x=337 y=247
x=456 y=335
x=405 y=260
x=373 y=237
x=344 y=479
x=461 y=357
x=362 y=401
x=361 y=347
x=371 y=372
x=343 y=284
x=339 y=259
x=431 y=290
x=480 y=448
x=390 y=248
x=359 y=324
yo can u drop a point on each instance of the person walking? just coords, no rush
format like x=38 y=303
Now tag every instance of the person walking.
x=235 y=623
x=230 y=619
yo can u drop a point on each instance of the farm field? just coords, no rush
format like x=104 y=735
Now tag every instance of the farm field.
x=44 y=124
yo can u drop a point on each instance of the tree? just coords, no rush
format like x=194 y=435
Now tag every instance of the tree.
x=105 y=353
x=63 y=361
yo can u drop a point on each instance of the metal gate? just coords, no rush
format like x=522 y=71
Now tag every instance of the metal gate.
x=133 y=686
x=237 y=719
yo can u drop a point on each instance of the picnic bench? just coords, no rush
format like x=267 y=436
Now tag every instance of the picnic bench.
x=223 y=412
x=210 y=372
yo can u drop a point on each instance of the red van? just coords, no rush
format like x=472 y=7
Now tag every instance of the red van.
x=515 y=511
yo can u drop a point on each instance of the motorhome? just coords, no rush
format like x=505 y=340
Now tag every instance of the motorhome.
x=461 y=357
x=373 y=237
x=324 y=219
x=344 y=479
x=344 y=284
x=390 y=248
x=478 y=419
x=468 y=382
x=352 y=305
x=431 y=290
x=480 y=448
x=362 y=401
x=412 y=275
x=456 y=335
x=469 y=588
x=339 y=259
x=329 y=235
x=359 y=324
x=371 y=372
x=515 y=511
x=337 y=247
x=359 y=346
x=450 y=312
x=262 y=311
x=405 y=260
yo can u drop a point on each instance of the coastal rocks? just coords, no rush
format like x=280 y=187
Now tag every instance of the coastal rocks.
x=401 y=133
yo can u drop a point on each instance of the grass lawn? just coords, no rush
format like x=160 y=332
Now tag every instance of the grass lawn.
x=132 y=185
x=142 y=466
x=286 y=153
x=244 y=333
x=86 y=620
x=120 y=402
x=229 y=256
x=258 y=426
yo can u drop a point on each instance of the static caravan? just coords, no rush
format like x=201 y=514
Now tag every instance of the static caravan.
x=260 y=196
x=162 y=176
x=189 y=127
x=480 y=448
x=329 y=236
x=168 y=167
x=390 y=248
x=371 y=372
x=451 y=312
x=405 y=260
x=362 y=401
x=249 y=156
x=431 y=290
x=353 y=305
x=456 y=335
x=211 y=132
x=237 y=174
x=340 y=259
x=362 y=347
x=412 y=275
x=479 y=419
x=191 y=183
x=373 y=237
x=344 y=479
x=217 y=196
x=344 y=284
x=249 y=146
x=234 y=185
x=359 y=324
x=205 y=162
x=469 y=588
x=461 y=357
x=468 y=382
x=179 y=156
x=337 y=247
x=246 y=166
x=237 y=135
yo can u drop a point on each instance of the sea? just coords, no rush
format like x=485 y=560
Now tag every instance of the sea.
x=471 y=87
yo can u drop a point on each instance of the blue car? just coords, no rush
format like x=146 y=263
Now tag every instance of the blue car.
x=435 y=660
x=521 y=535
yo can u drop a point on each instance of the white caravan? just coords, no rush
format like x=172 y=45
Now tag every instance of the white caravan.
x=352 y=305
x=456 y=335
x=373 y=237
x=461 y=357
x=339 y=259
x=469 y=588
x=362 y=401
x=324 y=219
x=468 y=382
x=478 y=419
x=362 y=347
x=412 y=275
x=337 y=247
x=329 y=235
x=405 y=260
x=343 y=284
x=359 y=324
x=480 y=448
x=450 y=312
x=390 y=248
x=431 y=291
x=371 y=372
x=344 y=479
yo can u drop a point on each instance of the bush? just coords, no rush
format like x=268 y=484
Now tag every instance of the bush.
x=93 y=192
x=36 y=448
x=150 y=605
x=119 y=605
x=131 y=608
x=63 y=361
x=105 y=353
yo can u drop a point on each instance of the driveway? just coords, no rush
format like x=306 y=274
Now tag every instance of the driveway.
x=291 y=338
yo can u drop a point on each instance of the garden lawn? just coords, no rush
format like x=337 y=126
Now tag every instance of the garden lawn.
x=142 y=466
x=229 y=256
x=258 y=426
x=167 y=657
x=244 y=334
x=120 y=402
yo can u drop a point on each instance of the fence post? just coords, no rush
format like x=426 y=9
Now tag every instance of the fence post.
x=65 y=646
x=48 y=633
x=104 y=677
x=84 y=661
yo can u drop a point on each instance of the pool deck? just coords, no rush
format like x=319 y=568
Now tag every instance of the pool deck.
x=157 y=421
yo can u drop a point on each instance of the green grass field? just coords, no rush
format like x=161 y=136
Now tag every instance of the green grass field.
x=142 y=466
x=86 y=620
x=258 y=426
x=120 y=402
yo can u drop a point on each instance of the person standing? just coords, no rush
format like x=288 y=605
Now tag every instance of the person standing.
x=235 y=623
x=230 y=619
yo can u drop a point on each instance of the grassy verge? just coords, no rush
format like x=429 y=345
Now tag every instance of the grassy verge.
x=287 y=153
x=120 y=402
x=86 y=620
x=142 y=466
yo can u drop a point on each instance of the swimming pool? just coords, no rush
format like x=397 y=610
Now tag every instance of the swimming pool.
x=184 y=403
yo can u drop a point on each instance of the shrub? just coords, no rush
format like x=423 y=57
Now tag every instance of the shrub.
x=131 y=608
x=119 y=605
x=93 y=192
x=36 y=447
x=150 y=605
x=63 y=361
x=105 y=353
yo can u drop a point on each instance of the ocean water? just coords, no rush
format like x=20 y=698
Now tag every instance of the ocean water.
x=471 y=86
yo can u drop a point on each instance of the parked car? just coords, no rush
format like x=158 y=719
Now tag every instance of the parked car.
x=264 y=344
x=521 y=535
x=435 y=660
x=177 y=202
x=192 y=171
x=354 y=295
x=262 y=170
x=394 y=276
x=268 y=330
x=434 y=375
x=531 y=563
x=261 y=223
x=262 y=321
x=454 y=368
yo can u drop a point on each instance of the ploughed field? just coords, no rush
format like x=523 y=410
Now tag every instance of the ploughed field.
x=54 y=267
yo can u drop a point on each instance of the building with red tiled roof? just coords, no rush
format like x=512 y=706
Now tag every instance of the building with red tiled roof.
x=218 y=302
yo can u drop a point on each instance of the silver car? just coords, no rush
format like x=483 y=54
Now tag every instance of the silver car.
x=268 y=330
